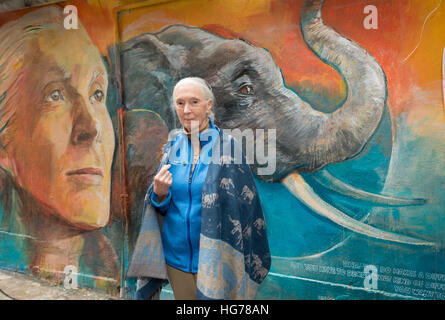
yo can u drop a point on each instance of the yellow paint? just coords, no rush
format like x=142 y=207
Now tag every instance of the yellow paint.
x=147 y=110
x=427 y=58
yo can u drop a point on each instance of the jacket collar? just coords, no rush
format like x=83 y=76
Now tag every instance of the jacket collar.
x=204 y=132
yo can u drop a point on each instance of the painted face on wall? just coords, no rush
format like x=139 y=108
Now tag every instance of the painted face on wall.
x=191 y=105
x=62 y=144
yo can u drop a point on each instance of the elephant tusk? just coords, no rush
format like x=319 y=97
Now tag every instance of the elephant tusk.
x=302 y=191
x=326 y=179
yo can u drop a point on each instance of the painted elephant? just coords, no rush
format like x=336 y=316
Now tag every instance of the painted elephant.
x=250 y=93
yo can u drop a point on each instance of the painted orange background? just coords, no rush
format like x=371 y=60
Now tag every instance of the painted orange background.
x=408 y=43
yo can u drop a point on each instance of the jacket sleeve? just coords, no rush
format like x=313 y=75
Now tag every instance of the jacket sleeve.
x=164 y=205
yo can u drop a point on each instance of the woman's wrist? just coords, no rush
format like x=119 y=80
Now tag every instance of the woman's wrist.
x=161 y=198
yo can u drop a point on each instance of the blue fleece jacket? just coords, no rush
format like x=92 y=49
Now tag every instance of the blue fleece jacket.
x=182 y=207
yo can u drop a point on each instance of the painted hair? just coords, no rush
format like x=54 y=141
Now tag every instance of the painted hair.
x=14 y=38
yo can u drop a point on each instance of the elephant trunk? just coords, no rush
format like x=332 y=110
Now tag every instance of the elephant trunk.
x=340 y=135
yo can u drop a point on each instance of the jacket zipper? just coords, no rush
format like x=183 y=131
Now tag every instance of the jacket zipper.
x=189 y=211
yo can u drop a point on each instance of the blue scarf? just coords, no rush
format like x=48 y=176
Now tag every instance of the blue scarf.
x=234 y=255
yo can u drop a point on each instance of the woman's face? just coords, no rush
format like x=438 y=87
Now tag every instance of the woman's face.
x=191 y=105
x=62 y=140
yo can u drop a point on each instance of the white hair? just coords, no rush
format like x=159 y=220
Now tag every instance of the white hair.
x=205 y=87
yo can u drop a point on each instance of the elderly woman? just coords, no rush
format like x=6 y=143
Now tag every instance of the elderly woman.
x=213 y=242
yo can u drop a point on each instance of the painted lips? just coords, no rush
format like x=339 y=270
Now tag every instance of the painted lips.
x=91 y=176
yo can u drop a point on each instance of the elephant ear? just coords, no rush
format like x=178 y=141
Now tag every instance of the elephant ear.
x=191 y=40
x=150 y=68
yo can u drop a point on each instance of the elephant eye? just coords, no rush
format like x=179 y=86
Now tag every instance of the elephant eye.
x=246 y=89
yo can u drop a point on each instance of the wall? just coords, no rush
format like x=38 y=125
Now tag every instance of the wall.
x=361 y=222
x=11 y=5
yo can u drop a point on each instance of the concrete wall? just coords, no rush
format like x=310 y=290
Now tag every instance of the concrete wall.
x=367 y=226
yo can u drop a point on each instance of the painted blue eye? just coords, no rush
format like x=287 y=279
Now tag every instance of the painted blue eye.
x=54 y=96
x=98 y=95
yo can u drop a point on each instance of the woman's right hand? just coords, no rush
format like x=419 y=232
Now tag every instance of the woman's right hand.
x=162 y=182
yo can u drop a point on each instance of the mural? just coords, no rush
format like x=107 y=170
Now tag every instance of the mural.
x=57 y=147
x=345 y=219
x=355 y=207
x=64 y=194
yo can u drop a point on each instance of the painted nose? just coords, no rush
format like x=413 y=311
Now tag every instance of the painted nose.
x=86 y=128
